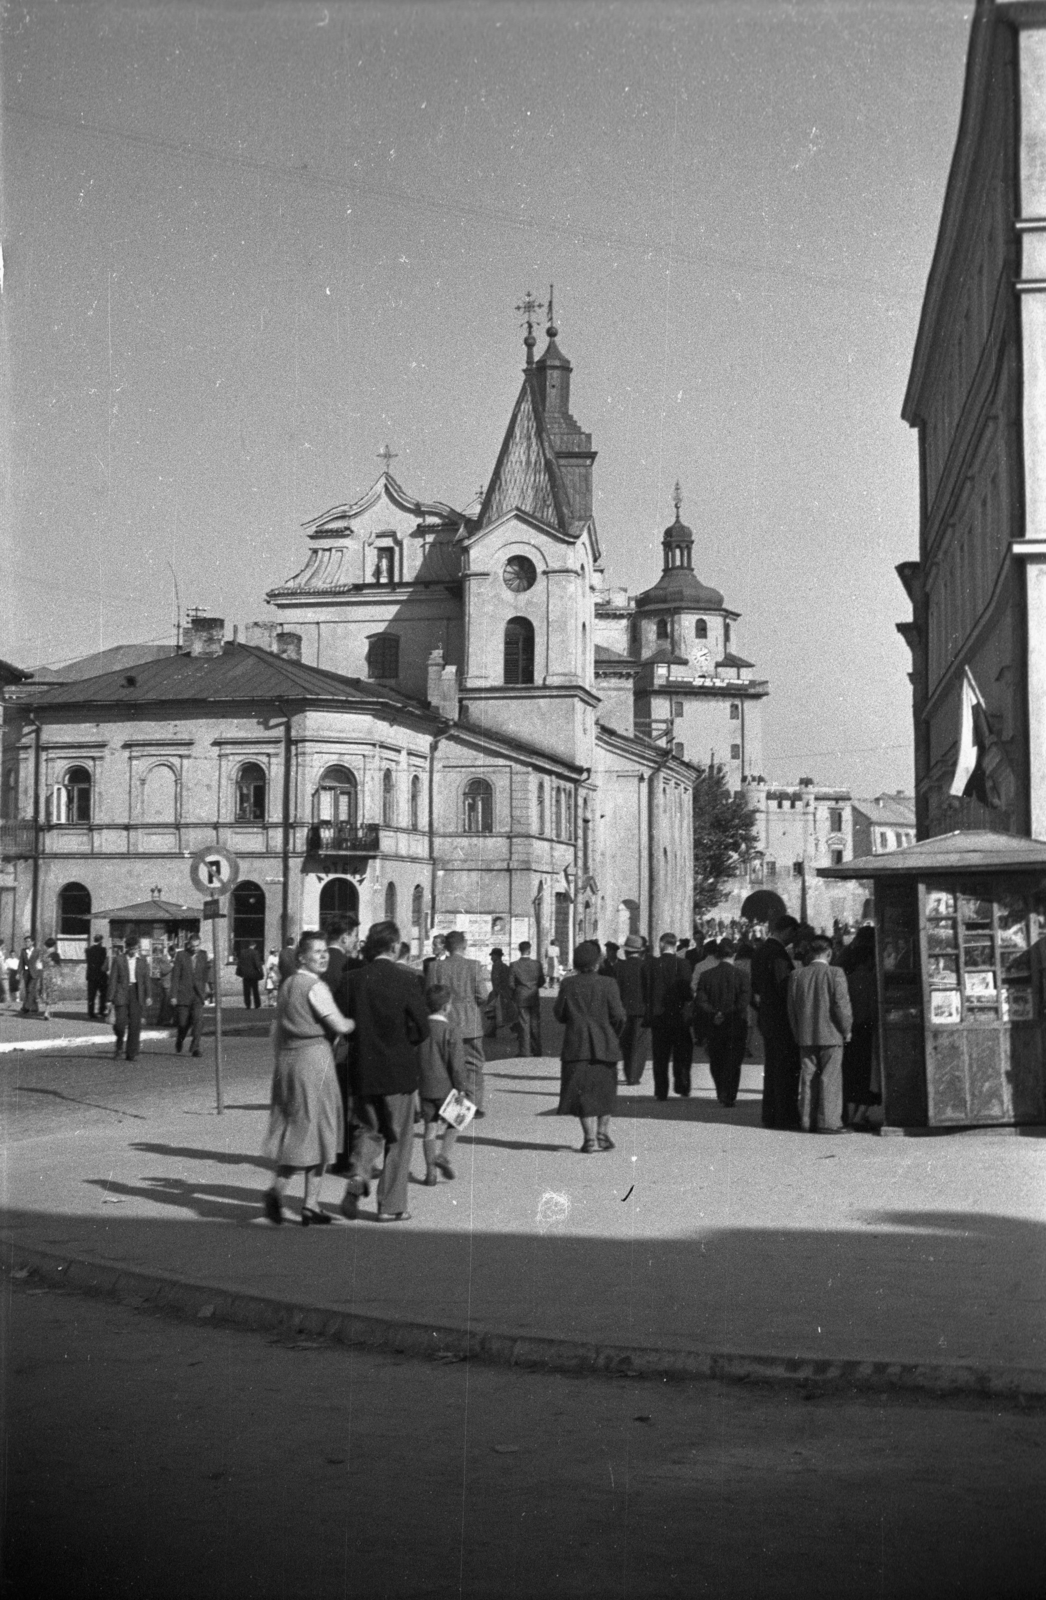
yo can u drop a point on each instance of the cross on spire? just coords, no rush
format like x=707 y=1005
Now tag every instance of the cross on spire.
x=529 y=307
x=387 y=455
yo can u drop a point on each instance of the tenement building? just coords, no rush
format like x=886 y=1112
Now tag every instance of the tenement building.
x=429 y=732
x=977 y=396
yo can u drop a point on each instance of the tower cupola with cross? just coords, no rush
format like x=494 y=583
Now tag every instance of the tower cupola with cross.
x=573 y=446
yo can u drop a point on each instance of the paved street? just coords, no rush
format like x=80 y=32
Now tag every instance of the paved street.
x=151 y=1459
x=701 y=1232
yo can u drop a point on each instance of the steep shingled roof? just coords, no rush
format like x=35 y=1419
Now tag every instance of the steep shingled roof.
x=527 y=476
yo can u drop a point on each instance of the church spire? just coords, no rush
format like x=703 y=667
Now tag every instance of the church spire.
x=529 y=306
x=678 y=540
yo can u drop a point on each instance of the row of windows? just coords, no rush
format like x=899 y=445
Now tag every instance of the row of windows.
x=336 y=800
x=764 y=868
x=338 y=898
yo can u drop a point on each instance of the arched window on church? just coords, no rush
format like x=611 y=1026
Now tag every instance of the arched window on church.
x=519 y=651
x=415 y=803
x=662 y=627
x=388 y=798
x=700 y=628
x=479 y=806
x=541 y=805
x=726 y=634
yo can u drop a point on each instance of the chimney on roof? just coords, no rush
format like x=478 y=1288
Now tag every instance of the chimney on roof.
x=206 y=636
x=442 y=687
x=288 y=646
x=262 y=635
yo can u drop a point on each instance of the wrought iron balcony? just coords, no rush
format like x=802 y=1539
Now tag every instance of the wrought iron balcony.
x=343 y=839
x=17 y=840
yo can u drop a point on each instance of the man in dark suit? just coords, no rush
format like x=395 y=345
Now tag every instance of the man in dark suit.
x=771 y=965
x=635 y=1038
x=822 y=1023
x=469 y=989
x=30 y=966
x=386 y=1002
x=128 y=994
x=667 y=995
x=527 y=981
x=721 y=998
x=97 y=962
x=189 y=977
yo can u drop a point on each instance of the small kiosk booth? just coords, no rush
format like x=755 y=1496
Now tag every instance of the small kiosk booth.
x=961 y=954
x=154 y=921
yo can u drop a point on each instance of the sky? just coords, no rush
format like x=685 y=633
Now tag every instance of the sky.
x=246 y=246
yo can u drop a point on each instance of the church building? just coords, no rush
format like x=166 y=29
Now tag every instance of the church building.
x=430 y=730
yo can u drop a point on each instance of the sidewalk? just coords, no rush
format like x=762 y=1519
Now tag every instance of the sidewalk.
x=67 y=1027
x=703 y=1244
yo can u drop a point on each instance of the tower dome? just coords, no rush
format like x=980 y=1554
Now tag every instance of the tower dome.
x=677 y=586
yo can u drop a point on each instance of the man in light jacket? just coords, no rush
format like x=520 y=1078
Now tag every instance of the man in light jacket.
x=821 y=1019
x=469 y=989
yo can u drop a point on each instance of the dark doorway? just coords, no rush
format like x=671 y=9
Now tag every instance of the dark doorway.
x=339 y=898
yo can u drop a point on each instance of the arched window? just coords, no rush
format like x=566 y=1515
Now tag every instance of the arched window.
x=74 y=911
x=417 y=918
x=662 y=627
x=250 y=793
x=78 y=795
x=568 y=816
x=584 y=649
x=479 y=806
x=248 y=916
x=160 y=795
x=415 y=802
x=390 y=902
x=586 y=831
x=557 y=813
x=336 y=798
x=541 y=805
x=519 y=651
x=338 y=899
x=700 y=628
x=383 y=656
x=726 y=635
x=388 y=798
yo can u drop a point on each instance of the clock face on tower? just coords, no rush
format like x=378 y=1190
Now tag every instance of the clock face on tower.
x=700 y=656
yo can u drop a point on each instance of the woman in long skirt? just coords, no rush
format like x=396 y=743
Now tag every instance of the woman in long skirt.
x=590 y=1008
x=305 y=1121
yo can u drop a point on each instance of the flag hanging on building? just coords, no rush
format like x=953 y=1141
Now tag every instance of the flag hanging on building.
x=972 y=778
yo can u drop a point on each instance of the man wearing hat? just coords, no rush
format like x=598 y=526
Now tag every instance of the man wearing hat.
x=635 y=1037
x=527 y=980
x=667 y=986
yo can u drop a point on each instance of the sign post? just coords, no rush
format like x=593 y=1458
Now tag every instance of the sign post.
x=213 y=873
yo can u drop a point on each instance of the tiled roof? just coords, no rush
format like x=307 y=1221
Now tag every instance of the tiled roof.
x=120 y=657
x=241 y=672
x=527 y=476
x=891 y=810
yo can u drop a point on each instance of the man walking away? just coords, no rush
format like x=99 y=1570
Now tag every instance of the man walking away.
x=97 y=963
x=128 y=994
x=343 y=955
x=386 y=1002
x=722 y=1003
x=30 y=965
x=822 y=1021
x=771 y=966
x=668 y=1001
x=527 y=980
x=469 y=989
x=250 y=971
x=635 y=1036
x=189 y=991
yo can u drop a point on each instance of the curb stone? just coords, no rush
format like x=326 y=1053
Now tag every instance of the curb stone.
x=184 y=1297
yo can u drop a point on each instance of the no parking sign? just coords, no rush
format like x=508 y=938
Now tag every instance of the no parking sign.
x=214 y=872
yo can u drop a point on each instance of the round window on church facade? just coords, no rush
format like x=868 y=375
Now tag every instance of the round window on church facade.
x=520 y=574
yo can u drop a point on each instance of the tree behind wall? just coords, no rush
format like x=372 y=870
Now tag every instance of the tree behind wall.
x=724 y=829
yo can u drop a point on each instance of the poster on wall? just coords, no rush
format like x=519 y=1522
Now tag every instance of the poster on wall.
x=945 y=1005
x=486 y=929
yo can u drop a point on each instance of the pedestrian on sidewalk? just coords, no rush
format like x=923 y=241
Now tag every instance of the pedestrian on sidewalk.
x=822 y=1021
x=468 y=989
x=287 y=960
x=272 y=977
x=859 y=1055
x=441 y=1061
x=439 y=952
x=163 y=966
x=29 y=965
x=589 y=1007
x=386 y=1002
x=128 y=994
x=305 y=1119
x=771 y=966
x=343 y=955
x=527 y=980
x=189 y=984
x=635 y=1038
x=50 y=962
x=668 y=1005
x=722 y=1002
x=3 y=974
x=97 y=972
x=250 y=970
x=499 y=1010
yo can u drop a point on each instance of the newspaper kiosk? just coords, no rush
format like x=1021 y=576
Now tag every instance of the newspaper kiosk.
x=960 y=952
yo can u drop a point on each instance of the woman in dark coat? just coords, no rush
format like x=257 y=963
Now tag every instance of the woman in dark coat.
x=859 y=1055
x=589 y=1006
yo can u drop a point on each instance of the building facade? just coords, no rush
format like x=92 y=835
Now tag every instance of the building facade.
x=977 y=397
x=422 y=735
